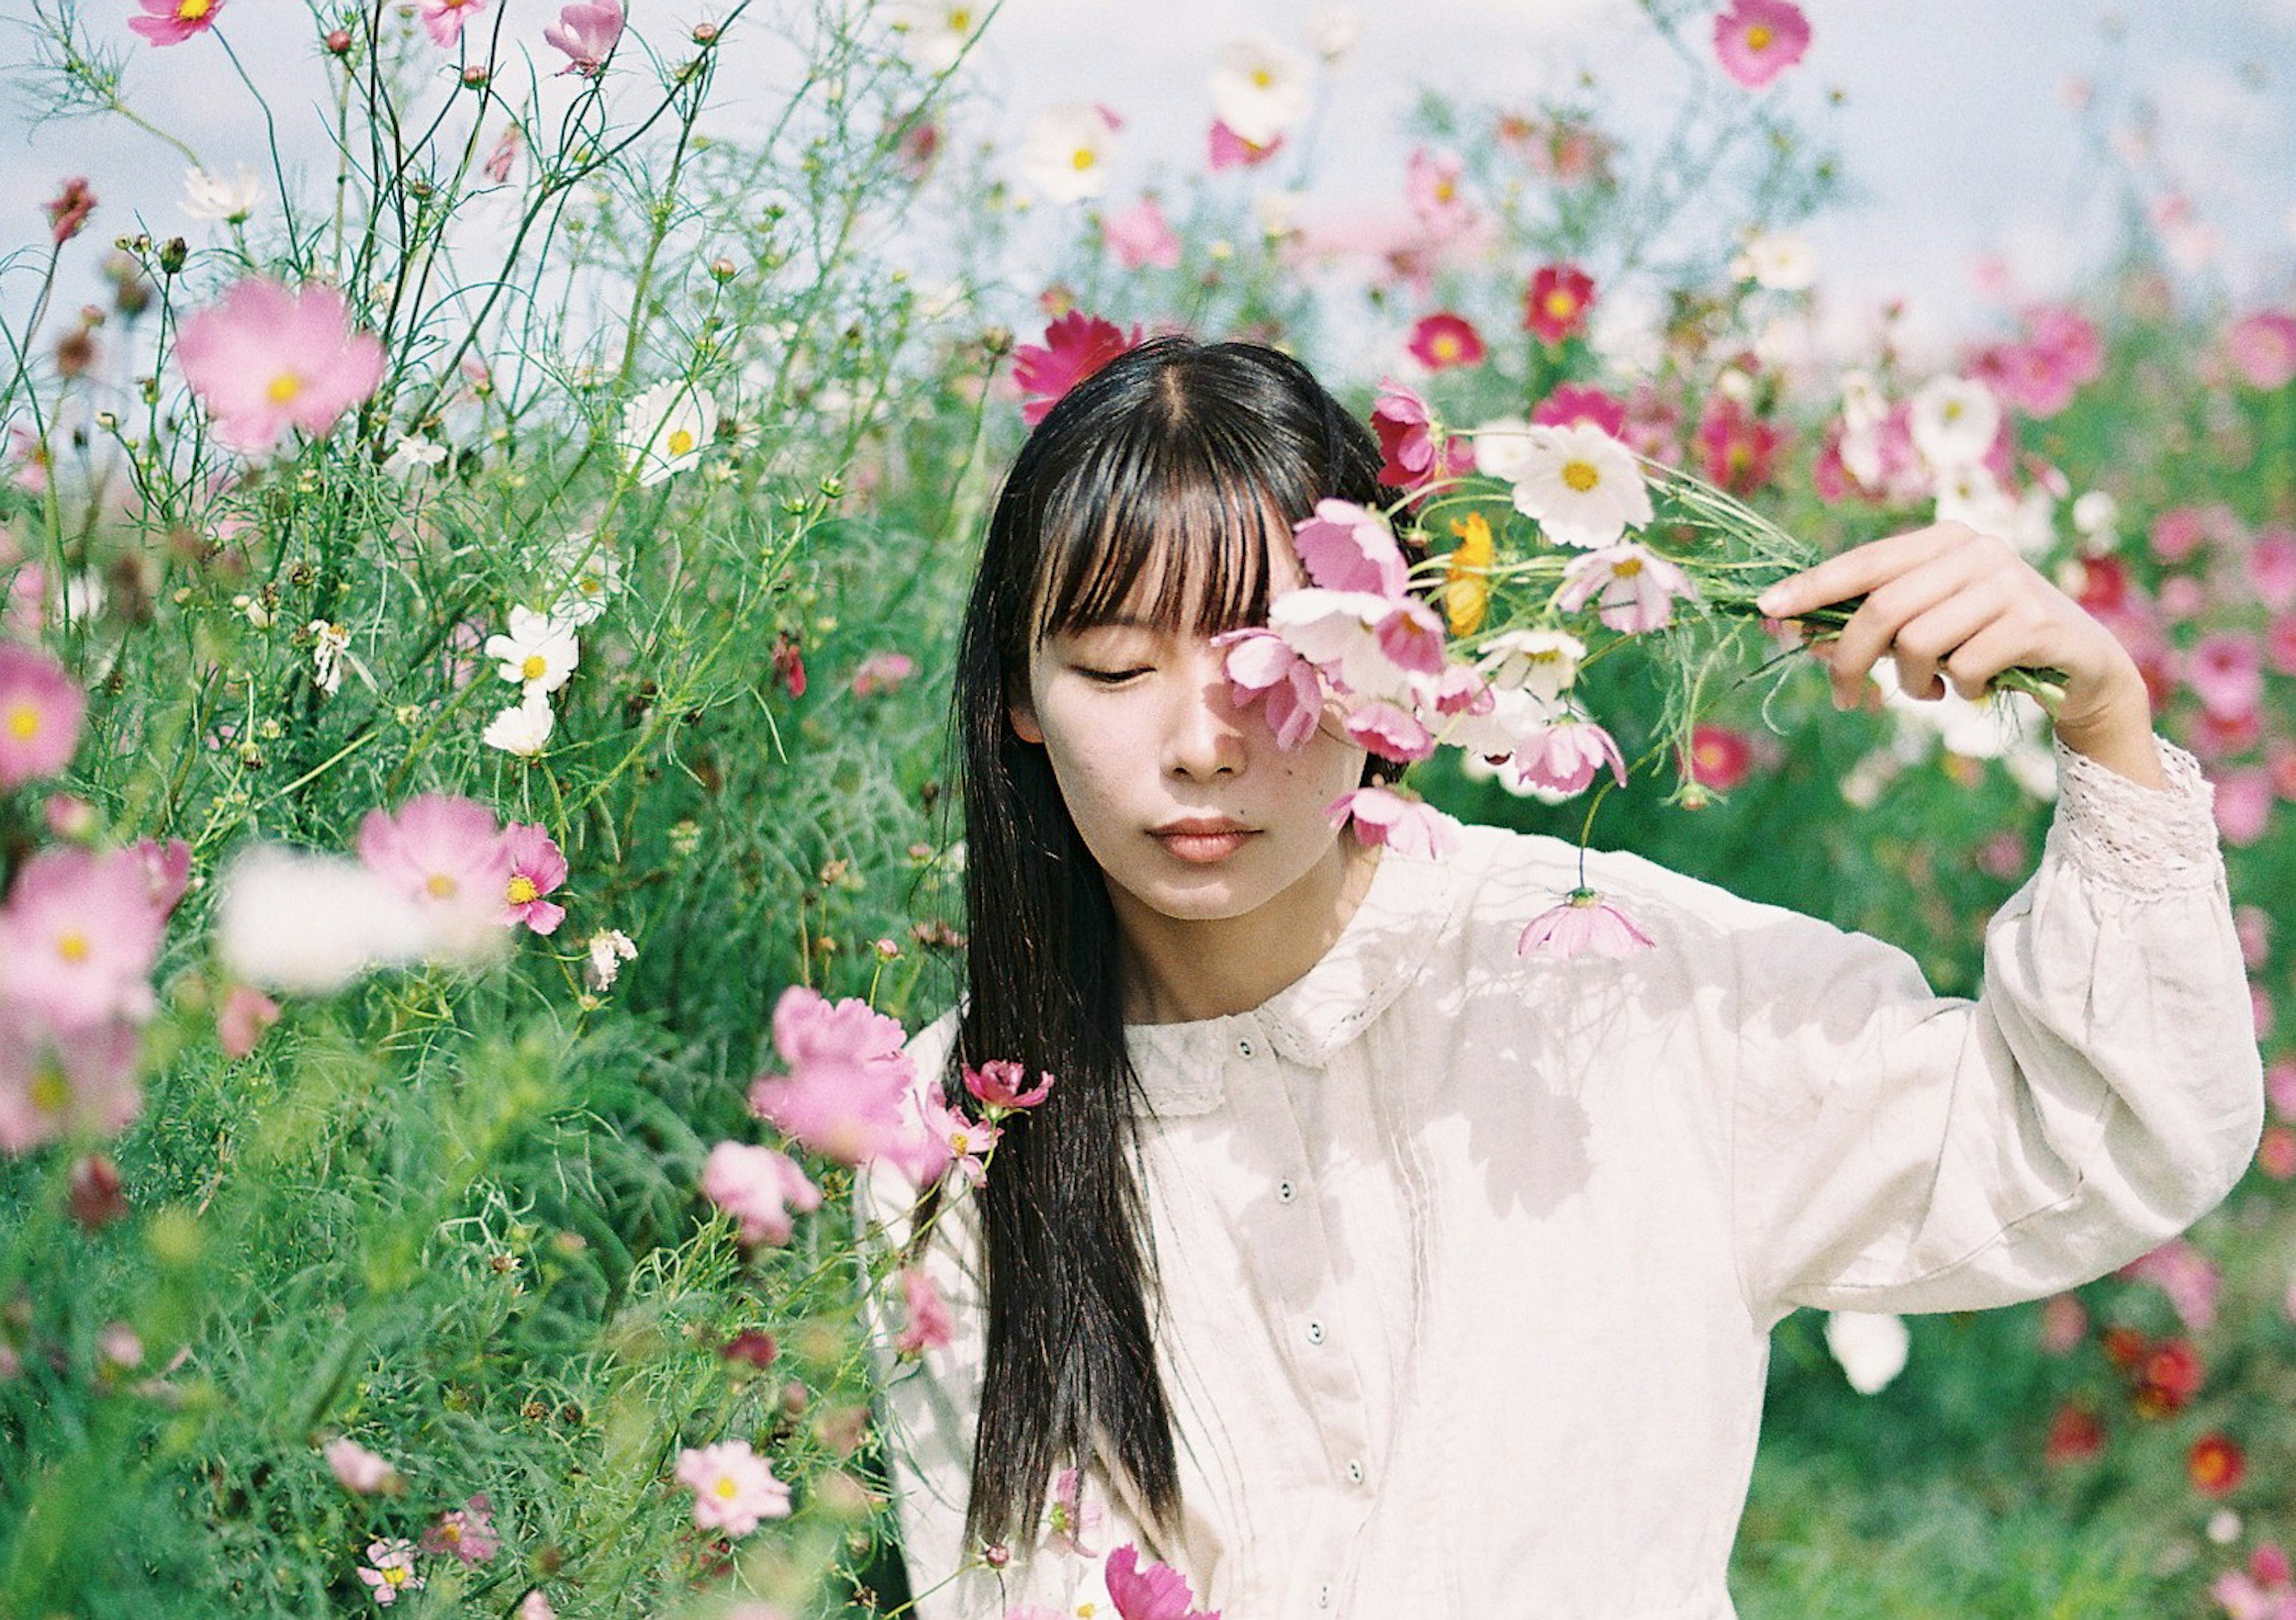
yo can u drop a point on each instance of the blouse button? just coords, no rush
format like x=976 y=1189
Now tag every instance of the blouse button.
x=1285 y=1192
x=1324 y=1596
x=1315 y=1333
x=1244 y=1049
x=1355 y=1472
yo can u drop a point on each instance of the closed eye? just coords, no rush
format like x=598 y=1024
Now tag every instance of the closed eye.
x=1111 y=678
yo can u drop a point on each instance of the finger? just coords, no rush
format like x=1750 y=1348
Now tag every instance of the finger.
x=1879 y=624
x=1924 y=643
x=1860 y=569
x=2000 y=645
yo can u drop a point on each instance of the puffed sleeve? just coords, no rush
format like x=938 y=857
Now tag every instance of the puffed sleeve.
x=930 y=1411
x=1894 y=1150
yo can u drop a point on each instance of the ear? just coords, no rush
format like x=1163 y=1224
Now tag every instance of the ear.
x=1022 y=713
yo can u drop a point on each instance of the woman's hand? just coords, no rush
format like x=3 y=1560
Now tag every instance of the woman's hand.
x=1949 y=604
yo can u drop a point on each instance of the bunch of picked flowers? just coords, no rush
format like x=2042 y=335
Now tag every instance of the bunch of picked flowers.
x=1566 y=544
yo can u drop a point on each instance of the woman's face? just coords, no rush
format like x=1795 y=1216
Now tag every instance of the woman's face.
x=1185 y=800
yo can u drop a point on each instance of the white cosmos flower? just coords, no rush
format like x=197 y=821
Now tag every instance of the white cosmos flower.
x=2097 y=519
x=934 y=33
x=208 y=196
x=1335 y=32
x=1970 y=494
x=1953 y=422
x=1543 y=662
x=608 y=949
x=538 y=650
x=587 y=574
x=287 y=919
x=1781 y=263
x=1582 y=486
x=1067 y=152
x=523 y=729
x=1870 y=1347
x=413 y=450
x=1502 y=447
x=1261 y=89
x=665 y=428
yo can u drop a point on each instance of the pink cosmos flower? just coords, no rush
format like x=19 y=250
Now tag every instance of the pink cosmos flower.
x=1070 y=1518
x=1432 y=183
x=55 y=1084
x=166 y=869
x=2190 y=1278
x=270 y=358
x=445 y=853
x=1158 y=1593
x=1075 y=346
x=732 y=1487
x=1756 y=40
x=67 y=212
x=2060 y=352
x=1583 y=922
x=1637 y=587
x=2178 y=533
x=2227 y=674
x=1564 y=757
x=1228 y=149
x=1262 y=667
x=1382 y=816
x=932 y=1325
x=535 y=869
x=1344 y=546
x=173 y=21
x=2243 y=805
x=1574 y=403
x=1738 y=449
x=240 y=1022
x=78 y=936
x=2064 y=1324
x=390 y=1570
x=1407 y=441
x=1141 y=236
x=40 y=711
x=355 y=1469
x=1389 y=731
x=588 y=33
x=445 y=19
x=1411 y=634
x=883 y=671
x=843 y=1096
x=760 y=1188
x=2263 y=347
x=1001 y=1084
x=466 y=1532
x=2265 y=1590
x=1443 y=340
x=1557 y=302
x=2272 y=568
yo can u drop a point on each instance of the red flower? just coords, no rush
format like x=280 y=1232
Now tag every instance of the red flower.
x=2074 y=1436
x=1739 y=450
x=2216 y=1464
x=1445 y=340
x=1407 y=441
x=2276 y=1154
x=69 y=209
x=2169 y=1378
x=1075 y=346
x=1555 y=307
x=2125 y=1347
x=1576 y=402
x=1719 y=757
x=789 y=665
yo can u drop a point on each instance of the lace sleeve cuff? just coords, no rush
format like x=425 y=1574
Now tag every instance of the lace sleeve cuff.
x=2144 y=841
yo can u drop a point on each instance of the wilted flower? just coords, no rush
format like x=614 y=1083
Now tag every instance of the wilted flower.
x=390 y=1570
x=1756 y=40
x=173 y=21
x=68 y=209
x=1870 y=1347
x=1557 y=304
x=1443 y=340
x=665 y=428
x=268 y=358
x=759 y=1187
x=732 y=1487
x=1002 y=1084
x=1581 y=486
x=1075 y=346
x=588 y=33
x=607 y=949
x=1583 y=922
x=40 y=711
x=1065 y=156
x=538 y=650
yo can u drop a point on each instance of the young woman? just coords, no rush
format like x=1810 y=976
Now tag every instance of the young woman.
x=1358 y=1265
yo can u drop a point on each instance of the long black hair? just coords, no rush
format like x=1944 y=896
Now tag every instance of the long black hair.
x=1149 y=489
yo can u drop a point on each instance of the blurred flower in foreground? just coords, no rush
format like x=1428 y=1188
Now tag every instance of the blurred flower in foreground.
x=934 y=33
x=1583 y=922
x=40 y=711
x=268 y=358
x=664 y=429
x=357 y=1470
x=55 y=1084
x=2263 y=348
x=447 y=855
x=1260 y=89
x=883 y=671
x=1870 y=1347
x=732 y=1487
x=760 y=1188
x=1065 y=155
x=932 y=1326
x=78 y=936
x=173 y=21
x=309 y=924
x=587 y=34
x=1756 y=40
x=1075 y=346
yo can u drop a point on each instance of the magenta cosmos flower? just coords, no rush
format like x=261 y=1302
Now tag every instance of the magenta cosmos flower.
x=1406 y=441
x=1443 y=340
x=1556 y=303
x=1573 y=403
x=764 y=1190
x=732 y=1487
x=466 y=1532
x=1583 y=922
x=51 y=1085
x=173 y=21
x=77 y=939
x=1158 y=1593
x=1758 y=39
x=40 y=714
x=535 y=869
x=1001 y=1084
x=932 y=1325
x=270 y=358
x=587 y=34
x=1075 y=346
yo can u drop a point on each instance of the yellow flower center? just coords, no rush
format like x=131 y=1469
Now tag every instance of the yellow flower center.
x=1083 y=157
x=1581 y=475
x=285 y=387
x=1261 y=78
x=72 y=947
x=1627 y=568
x=450 y=1531
x=23 y=722
x=440 y=886
x=1444 y=190
x=1759 y=38
x=681 y=441
x=960 y=18
x=1951 y=412
x=396 y=1575
x=535 y=667
x=50 y=1091
x=522 y=891
x=727 y=1487
x=191 y=11
x=1446 y=346
x=1562 y=303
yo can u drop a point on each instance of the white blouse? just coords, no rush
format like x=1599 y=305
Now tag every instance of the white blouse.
x=1469 y=1260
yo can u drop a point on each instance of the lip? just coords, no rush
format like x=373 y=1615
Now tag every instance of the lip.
x=1201 y=840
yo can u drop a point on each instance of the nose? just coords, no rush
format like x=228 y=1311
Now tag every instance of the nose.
x=1203 y=736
